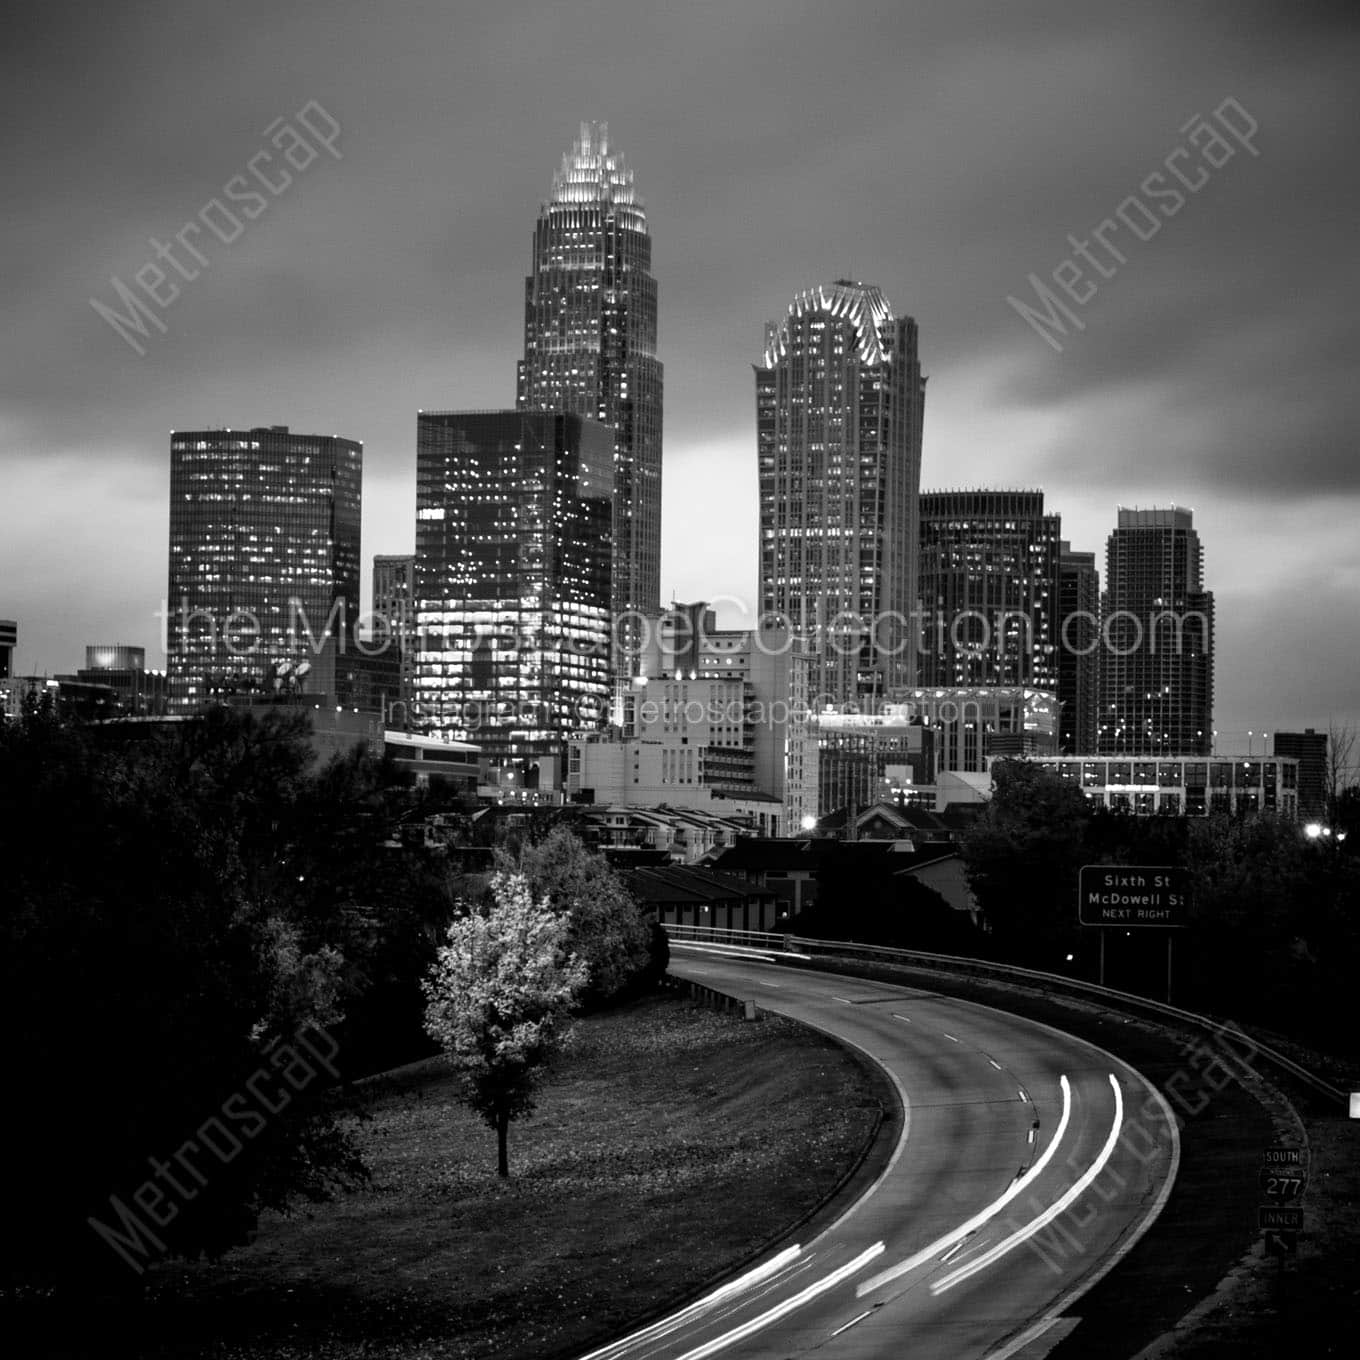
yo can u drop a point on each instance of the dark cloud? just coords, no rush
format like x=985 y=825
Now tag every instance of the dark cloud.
x=942 y=151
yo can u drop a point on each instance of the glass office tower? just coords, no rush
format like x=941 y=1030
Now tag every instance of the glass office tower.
x=264 y=562
x=590 y=343
x=839 y=409
x=513 y=513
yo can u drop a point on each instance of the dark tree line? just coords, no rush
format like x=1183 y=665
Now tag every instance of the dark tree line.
x=179 y=915
x=1274 y=933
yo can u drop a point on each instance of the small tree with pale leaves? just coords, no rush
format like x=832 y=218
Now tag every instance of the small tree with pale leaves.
x=499 y=998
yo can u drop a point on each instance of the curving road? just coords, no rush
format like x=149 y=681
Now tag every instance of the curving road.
x=1030 y=1162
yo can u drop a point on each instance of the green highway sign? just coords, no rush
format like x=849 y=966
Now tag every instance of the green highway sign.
x=1133 y=895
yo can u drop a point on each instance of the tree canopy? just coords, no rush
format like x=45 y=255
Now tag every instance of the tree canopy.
x=499 y=998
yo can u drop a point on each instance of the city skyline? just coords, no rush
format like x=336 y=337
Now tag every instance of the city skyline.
x=1208 y=371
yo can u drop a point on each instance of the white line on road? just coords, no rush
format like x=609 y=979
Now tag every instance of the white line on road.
x=949 y=1036
x=978 y=1219
x=1057 y=1207
x=753 y=1277
x=1021 y=1090
x=994 y=1063
x=907 y=1018
x=845 y=1326
x=780 y=1310
x=776 y=985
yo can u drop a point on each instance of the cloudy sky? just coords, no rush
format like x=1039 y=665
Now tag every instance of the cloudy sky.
x=943 y=151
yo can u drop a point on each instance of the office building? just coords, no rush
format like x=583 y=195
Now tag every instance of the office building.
x=1309 y=748
x=513 y=512
x=590 y=309
x=10 y=695
x=1189 y=786
x=264 y=563
x=714 y=718
x=989 y=588
x=394 y=626
x=114 y=682
x=1157 y=653
x=1078 y=642
x=839 y=406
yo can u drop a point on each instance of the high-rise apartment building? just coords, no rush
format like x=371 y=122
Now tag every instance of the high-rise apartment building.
x=590 y=343
x=394 y=624
x=989 y=586
x=1078 y=642
x=512 y=602
x=1157 y=648
x=264 y=562
x=9 y=639
x=839 y=409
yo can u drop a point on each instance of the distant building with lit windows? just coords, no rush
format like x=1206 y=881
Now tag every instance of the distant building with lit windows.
x=264 y=563
x=1078 y=642
x=839 y=410
x=989 y=588
x=394 y=624
x=590 y=308
x=513 y=513
x=1189 y=786
x=1157 y=644
x=1309 y=748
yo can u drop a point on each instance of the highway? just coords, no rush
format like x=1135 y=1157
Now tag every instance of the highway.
x=1029 y=1163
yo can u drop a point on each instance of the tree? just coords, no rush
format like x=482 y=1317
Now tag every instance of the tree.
x=606 y=929
x=143 y=985
x=499 y=997
x=1341 y=767
x=1022 y=857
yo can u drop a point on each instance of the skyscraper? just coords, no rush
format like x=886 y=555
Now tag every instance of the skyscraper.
x=1078 y=642
x=1157 y=651
x=839 y=407
x=394 y=621
x=989 y=585
x=590 y=343
x=512 y=578
x=264 y=561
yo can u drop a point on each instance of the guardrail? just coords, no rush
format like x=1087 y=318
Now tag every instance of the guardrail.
x=796 y=947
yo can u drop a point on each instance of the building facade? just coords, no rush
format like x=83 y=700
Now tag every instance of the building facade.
x=512 y=609
x=711 y=714
x=1309 y=748
x=989 y=589
x=1078 y=642
x=1189 y=786
x=590 y=312
x=394 y=624
x=114 y=682
x=839 y=410
x=1157 y=646
x=264 y=561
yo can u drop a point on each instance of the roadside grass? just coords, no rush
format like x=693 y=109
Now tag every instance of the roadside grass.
x=669 y=1145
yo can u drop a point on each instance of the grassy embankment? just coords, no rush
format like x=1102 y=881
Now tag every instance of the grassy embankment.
x=669 y=1144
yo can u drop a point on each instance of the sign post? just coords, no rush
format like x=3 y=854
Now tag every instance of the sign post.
x=1129 y=895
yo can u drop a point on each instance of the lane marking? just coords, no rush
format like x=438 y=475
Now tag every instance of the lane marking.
x=994 y=1063
x=721 y=1343
x=720 y=1295
x=845 y=1327
x=1023 y=1096
x=949 y=1036
x=846 y=999
x=1079 y=1188
x=778 y=986
x=978 y=1219
x=1030 y=1139
x=907 y=1018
